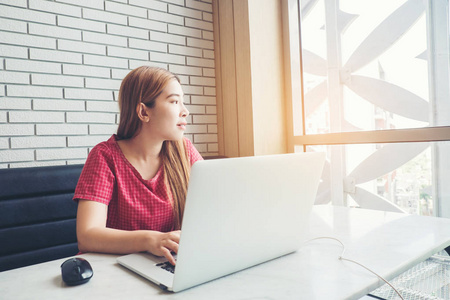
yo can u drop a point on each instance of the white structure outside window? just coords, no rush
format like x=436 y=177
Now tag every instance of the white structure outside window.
x=376 y=99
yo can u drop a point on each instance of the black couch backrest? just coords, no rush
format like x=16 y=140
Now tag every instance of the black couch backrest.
x=37 y=215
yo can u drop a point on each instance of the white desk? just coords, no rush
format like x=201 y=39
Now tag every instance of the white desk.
x=388 y=243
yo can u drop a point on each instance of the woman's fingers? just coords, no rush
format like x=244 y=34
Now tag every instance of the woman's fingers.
x=175 y=235
x=170 y=244
x=168 y=255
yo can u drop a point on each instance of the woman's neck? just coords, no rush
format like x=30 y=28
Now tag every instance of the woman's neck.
x=143 y=155
x=143 y=148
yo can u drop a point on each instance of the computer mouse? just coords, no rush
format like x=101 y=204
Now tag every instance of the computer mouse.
x=75 y=271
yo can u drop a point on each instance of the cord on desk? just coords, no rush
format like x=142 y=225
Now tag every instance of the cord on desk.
x=355 y=262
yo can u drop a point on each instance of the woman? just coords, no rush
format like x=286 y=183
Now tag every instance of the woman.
x=132 y=189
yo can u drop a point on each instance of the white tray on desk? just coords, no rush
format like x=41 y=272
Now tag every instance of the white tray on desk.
x=429 y=279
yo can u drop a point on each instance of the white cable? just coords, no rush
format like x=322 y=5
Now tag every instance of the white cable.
x=355 y=262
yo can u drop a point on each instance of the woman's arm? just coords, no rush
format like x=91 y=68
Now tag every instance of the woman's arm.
x=94 y=236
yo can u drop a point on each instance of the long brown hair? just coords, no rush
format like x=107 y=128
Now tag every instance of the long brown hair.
x=144 y=85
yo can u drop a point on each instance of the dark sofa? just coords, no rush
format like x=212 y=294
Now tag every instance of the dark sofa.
x=37 y=215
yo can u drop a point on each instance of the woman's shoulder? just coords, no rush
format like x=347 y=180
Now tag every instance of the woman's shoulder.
x=108 y=144
x=188 y=145
x=187 y=142
x=105 y=148
x=192 y=152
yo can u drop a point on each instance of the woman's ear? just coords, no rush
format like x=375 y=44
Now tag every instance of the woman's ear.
x=143 y=112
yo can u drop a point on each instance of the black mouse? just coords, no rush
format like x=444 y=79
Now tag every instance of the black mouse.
x=75 y=271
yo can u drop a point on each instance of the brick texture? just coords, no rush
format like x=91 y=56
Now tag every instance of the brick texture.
x=61 y=64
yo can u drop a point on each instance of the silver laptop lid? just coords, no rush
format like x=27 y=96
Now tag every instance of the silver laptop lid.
x=244 y=211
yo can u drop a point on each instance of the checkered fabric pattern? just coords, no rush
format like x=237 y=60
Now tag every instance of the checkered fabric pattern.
x=133 y=203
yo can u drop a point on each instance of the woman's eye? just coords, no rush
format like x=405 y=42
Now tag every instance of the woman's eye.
x=175 y=101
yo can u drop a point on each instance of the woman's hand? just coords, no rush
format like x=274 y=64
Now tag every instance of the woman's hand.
x=94 y=236
x=164 y=243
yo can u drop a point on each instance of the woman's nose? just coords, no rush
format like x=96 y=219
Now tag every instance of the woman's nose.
x=184 y=112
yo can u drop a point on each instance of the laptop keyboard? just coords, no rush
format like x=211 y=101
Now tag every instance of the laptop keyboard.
x=167 y=266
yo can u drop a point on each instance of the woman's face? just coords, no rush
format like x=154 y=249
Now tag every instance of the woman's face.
x=168 y=116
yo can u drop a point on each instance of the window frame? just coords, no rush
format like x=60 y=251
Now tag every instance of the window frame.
x=438 y=131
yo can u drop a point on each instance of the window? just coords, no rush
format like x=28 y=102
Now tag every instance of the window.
x=376 y=99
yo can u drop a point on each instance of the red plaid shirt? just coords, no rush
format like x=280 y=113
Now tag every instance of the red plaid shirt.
x=133 y=203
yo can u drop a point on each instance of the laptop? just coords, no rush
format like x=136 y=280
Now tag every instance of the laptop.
x=239 y=212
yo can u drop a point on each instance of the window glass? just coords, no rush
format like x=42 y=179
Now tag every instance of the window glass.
x=367 y=65
x=378 y=65
x=394 y=177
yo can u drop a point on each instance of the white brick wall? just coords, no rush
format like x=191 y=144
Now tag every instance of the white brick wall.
x=62 y=61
